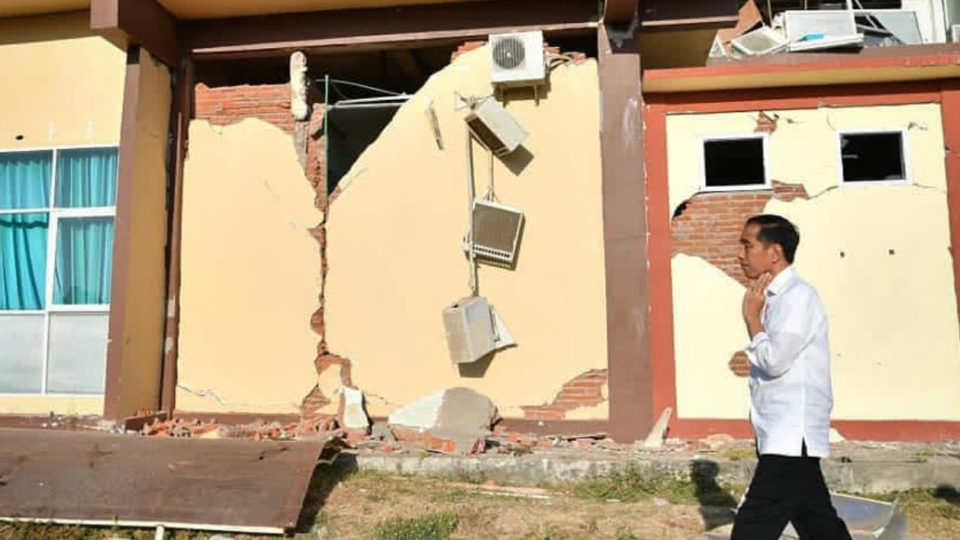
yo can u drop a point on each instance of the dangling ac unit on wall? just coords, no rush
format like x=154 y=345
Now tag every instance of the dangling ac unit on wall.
x=493 y=126
x=470 y=329
x=496 y=230
x=518 y=59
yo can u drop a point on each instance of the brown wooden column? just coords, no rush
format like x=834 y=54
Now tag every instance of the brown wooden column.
x=625 y=235
x=137 y=305
x=950 y=111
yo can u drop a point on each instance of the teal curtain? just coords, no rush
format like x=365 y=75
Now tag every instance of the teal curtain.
x=87 y=177
x=25 y=180
x=24 y=184
x=84 y=261
x=23 y=260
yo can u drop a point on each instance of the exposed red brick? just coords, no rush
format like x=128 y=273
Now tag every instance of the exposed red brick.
x=709 y=224
x=585 y=390
x=466 y=47
x=227 y=105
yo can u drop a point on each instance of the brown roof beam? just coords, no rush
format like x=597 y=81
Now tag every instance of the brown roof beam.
x=276 y=34
x=618 y=11
x=137 y=22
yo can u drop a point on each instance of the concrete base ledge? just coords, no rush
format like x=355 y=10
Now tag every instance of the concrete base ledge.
x=533 y=469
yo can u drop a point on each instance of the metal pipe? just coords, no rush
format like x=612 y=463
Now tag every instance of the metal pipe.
x=471 y=195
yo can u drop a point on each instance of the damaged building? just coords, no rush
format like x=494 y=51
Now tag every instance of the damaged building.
x=351 y=210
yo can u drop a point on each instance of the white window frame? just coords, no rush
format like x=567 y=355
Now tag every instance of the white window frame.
x=55 y=215
x=904 y=157
x=765 y=137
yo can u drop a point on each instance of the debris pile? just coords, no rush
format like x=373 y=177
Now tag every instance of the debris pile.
x=797 y=30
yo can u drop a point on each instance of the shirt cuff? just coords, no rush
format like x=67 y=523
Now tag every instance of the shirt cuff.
x=752 y=347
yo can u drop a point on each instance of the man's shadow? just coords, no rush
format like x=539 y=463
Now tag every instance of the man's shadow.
x=717 y=506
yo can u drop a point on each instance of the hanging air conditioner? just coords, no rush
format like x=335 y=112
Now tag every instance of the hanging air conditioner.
x=469 y=326
x=518 y=59
x=497 y=129
x=496 y=230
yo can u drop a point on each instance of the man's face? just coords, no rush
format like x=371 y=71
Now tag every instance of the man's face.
x=754 y=257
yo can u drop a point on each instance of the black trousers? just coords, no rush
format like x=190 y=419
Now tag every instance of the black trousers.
x=788 y=489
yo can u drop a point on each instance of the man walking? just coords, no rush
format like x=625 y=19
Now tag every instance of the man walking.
x=790 y=391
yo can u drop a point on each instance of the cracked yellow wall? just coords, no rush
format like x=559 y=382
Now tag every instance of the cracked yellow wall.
x=395 y=255
x=895 y=345
x=251 y=272
x=63 y=86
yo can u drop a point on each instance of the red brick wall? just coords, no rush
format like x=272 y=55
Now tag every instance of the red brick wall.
x=585 y=390
x=710 y=224
x=226 y=105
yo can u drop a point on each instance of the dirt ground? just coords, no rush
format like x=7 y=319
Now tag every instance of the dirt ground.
x=359 y=505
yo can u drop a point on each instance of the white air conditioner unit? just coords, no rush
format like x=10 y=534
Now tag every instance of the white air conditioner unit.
x=759 y=42
x=955 y=33
x=518 y=59
x=470 y=329
x=497 y=129
x=496 y=231
x=821 y=29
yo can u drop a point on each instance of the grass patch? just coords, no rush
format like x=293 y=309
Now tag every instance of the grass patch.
x=633 y=485
x=435 y=526
x=740 y=454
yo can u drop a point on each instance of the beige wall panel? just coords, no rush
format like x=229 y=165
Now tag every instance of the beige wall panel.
x=894 y=330
x=395 y=246
x=251 y=272
x=64 y=85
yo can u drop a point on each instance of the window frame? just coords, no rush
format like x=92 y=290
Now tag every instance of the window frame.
x=54 y=216
x=703 y=140
x=904 y=157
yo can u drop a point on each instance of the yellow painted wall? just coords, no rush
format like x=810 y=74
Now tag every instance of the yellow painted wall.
x=893 y=320
x=396 y=259
x=145 y=303
x=63 y=86
x=251 y=272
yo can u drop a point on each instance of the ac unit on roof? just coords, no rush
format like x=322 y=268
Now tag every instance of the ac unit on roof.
x=470 y=329
x=493 y=126
x=496 y=230
x=518 y=59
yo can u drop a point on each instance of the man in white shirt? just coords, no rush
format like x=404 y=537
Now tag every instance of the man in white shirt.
x=789 y=388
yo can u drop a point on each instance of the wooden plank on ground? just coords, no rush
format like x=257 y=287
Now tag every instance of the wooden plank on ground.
x=234 y=484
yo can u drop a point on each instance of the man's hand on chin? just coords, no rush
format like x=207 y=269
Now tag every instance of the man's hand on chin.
x=753 y=301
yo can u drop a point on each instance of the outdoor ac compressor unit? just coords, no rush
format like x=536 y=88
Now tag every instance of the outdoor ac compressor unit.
x=495 y=128
x=496 y=230
x=518 y=59
x=955 y=33
x=470 y=329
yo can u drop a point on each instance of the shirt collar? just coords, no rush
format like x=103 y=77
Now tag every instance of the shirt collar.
x=780 y=282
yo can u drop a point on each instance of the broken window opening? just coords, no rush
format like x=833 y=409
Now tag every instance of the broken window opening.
x=734 y=163
x=352 y=124
x=873 y=157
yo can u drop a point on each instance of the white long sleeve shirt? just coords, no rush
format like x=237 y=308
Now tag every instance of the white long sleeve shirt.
x=790 y=385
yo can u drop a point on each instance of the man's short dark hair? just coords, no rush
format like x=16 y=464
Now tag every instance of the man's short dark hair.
x=776 y=229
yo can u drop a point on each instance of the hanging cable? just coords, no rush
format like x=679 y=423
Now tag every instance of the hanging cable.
x=366 y=87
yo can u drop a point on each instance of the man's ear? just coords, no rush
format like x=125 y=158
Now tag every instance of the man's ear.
x=777 y=252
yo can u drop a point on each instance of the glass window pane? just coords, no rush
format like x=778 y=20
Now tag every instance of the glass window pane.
x=84 y=261
x=23 y=260
x=21 y=353
x=25 y=179
x=78 y=353
x=87 y=177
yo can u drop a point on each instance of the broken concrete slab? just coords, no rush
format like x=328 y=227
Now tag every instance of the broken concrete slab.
x=421 y=414
x=452 y=421
x=354 y=415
